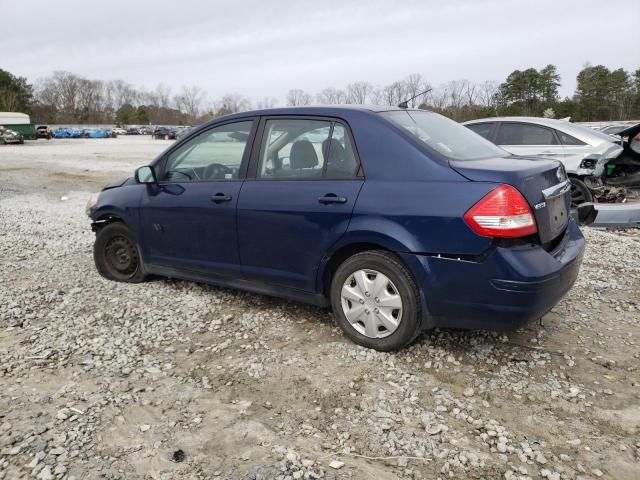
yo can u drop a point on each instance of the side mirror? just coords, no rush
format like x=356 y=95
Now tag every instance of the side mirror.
x=146 y=175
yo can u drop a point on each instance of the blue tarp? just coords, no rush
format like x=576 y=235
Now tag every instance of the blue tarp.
x=98 y=133
x=80 y=133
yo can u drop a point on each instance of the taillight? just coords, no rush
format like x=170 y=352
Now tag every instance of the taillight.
x=502 y=213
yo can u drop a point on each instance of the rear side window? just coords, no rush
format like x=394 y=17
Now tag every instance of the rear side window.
x=306 y=149
x=482 y=129
x=566 y=139
x=525 y=134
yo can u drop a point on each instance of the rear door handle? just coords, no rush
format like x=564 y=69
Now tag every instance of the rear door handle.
x=220 y=198
x=332 y=198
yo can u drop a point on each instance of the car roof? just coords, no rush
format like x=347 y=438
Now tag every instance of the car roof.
x=586 y=134
x=314 y=110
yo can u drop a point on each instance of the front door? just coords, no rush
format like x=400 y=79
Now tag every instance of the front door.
x=300 y=202
x=189 y=218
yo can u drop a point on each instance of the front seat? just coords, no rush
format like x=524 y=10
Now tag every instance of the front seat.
x=303 y=156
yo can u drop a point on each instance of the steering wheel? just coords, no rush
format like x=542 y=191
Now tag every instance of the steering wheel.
x=171 y=173
x=216 y=171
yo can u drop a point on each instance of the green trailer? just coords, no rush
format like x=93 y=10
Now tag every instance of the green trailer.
x=28 y=131
x=18 y=122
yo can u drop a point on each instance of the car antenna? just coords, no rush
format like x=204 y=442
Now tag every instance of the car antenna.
x=405 y=104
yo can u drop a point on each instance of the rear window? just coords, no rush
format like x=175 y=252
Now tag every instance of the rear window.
x=448 y=138
x=566 y=139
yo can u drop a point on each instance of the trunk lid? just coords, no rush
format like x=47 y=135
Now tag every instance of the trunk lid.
x=542 y=182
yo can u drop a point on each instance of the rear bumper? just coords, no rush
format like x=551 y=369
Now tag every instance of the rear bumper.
x=507 y=289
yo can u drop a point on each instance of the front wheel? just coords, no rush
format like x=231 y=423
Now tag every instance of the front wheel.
x=376 y=301
x=117 y=255
x=580 y=193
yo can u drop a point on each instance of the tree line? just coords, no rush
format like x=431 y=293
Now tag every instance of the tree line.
x=63 y=97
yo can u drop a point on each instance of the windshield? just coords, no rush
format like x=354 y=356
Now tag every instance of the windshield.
x=445 y=136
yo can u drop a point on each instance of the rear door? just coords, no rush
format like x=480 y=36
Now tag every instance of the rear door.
x=189 y=218
x=528 y=139
x=299 y=201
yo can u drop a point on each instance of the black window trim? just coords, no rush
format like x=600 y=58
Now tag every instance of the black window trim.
x=553 y=134
x=161 y=163
x=252 y=172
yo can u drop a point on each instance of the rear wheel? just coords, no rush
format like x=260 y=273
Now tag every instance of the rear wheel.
x=117 y=255
x=376 y=301
x=580 y=193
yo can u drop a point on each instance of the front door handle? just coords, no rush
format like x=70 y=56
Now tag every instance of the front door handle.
x=332 y=198
x=220 y=198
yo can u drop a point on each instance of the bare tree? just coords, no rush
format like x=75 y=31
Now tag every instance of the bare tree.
x=121 y=93
x=471 y=93
x=89 y=101
x=298 y=97
x=232 y=103
x=438 y=98
x=163 y=95
x=487 y=93
x=376 y=96
x=267 y=102
x=331 y=96
x=415 y=88
x=395 y=93
x=189 y=101
x=359 y=92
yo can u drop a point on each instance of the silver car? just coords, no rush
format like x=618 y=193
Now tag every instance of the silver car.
x=584 y=152
x=10 y=136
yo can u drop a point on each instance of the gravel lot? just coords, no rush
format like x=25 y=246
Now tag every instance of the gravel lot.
x=171 y=379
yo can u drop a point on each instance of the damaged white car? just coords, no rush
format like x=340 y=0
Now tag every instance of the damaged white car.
x=584 y=152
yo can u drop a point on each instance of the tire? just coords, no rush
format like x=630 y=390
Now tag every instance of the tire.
x=396 y=282
x=580 y=193
x=117 y=255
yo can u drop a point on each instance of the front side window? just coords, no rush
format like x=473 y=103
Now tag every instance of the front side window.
x=448 y=138
x=214 y=155
x=524 y=134
x=304 y=148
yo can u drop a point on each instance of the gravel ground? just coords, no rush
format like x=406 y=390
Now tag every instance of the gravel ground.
x=176 y=380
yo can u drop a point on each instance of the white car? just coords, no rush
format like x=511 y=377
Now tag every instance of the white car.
x=119 y=131
x=584 y=152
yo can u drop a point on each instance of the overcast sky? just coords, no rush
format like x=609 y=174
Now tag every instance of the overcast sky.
x=264 y=48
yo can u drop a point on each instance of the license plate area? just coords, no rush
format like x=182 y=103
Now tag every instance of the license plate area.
x=558 y=215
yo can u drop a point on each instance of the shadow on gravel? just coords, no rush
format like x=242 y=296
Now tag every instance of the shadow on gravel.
x=457 y=342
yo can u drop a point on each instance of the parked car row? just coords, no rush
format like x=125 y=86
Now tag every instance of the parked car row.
x=136 y=131
x=45 y=132
x=600 y=166
x=170 y=133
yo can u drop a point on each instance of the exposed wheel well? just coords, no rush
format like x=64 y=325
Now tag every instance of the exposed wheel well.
x=103 y=221
x=340 y=256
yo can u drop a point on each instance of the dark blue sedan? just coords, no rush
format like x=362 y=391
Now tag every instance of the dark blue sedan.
x=401 y=220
